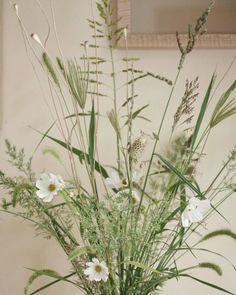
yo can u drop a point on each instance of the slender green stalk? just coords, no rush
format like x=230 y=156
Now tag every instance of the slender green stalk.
x=157 y=137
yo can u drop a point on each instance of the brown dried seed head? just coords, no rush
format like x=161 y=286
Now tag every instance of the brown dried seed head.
x=138 y=146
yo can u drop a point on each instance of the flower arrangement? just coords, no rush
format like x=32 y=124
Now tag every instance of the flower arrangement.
x=125 y=231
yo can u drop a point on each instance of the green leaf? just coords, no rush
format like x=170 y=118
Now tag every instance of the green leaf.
x=207 y=283
x=52 y=283
x=91 y=138
x=44 y=135
x=217 y=233
x=80 y=250
x=202 y=111
x=223 y=99
x=136 y=113
x=143 y=266
x=129 y=99
x=144 y=118
x=39 y=273
x=223 y=109
x=79 y=114
x=180 y=175
x=211 y=252
x=82 y=156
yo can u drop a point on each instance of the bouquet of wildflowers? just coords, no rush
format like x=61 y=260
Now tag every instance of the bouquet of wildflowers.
x=126 y=229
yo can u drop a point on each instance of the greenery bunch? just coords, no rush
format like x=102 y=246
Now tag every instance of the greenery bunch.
x=126 y=231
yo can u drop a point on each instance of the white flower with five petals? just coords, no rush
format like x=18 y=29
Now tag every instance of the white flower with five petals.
x=194 y=211
x=96 y=271
x=48 y=186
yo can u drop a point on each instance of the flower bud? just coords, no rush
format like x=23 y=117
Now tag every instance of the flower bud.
x=16 y=8
x=36 y=38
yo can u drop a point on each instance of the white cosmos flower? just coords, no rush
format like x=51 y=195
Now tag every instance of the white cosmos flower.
x=48 y=186
x=115 y=182
x=137 y=175
x=134 y=198
x=194 y=212
x=96 y=271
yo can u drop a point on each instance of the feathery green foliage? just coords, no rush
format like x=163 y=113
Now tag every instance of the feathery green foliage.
x=211 y=266
x=50 y=69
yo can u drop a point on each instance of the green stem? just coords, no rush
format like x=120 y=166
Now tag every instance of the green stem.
x=65 y=278
x=157 y=139
x=115 y=102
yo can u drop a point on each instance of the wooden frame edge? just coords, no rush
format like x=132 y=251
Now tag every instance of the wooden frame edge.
x=152 y=40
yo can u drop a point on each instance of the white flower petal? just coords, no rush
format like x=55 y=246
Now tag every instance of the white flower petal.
x=42 y=194
x=137 y=175
x=109 y=182
x=185 y=220
x=194 y=201
x=48 y=199
x=97 y=277
x=41 y=184
x=113 y=181
x=44 y=177
x=95 y=261
x=195 y=216
x=194 y=211
x=88 y=271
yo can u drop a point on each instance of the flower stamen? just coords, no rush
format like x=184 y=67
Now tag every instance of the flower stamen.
x=51 y=187
x=98 y=268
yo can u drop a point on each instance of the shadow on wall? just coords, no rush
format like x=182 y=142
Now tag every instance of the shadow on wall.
x=1 y=60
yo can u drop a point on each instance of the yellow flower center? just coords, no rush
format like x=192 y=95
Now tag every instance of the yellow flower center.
x=51 y=187
x=98 y=268
x=133 y=200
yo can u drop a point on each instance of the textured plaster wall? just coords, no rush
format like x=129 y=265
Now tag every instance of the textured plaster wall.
x=23 y=105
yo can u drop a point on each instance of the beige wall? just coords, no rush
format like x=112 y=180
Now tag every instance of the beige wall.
x=23 y=106
x=165 y=16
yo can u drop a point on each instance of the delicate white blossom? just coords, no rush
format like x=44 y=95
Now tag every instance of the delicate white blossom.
x=48 y=186
x=134 y=198
x=96 y=271
x=36 y=38
x=16 y=8
x=137 y=175
x=194 y=211
x=115 y=182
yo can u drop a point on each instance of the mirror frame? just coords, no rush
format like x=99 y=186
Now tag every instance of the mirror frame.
x=155 y=40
